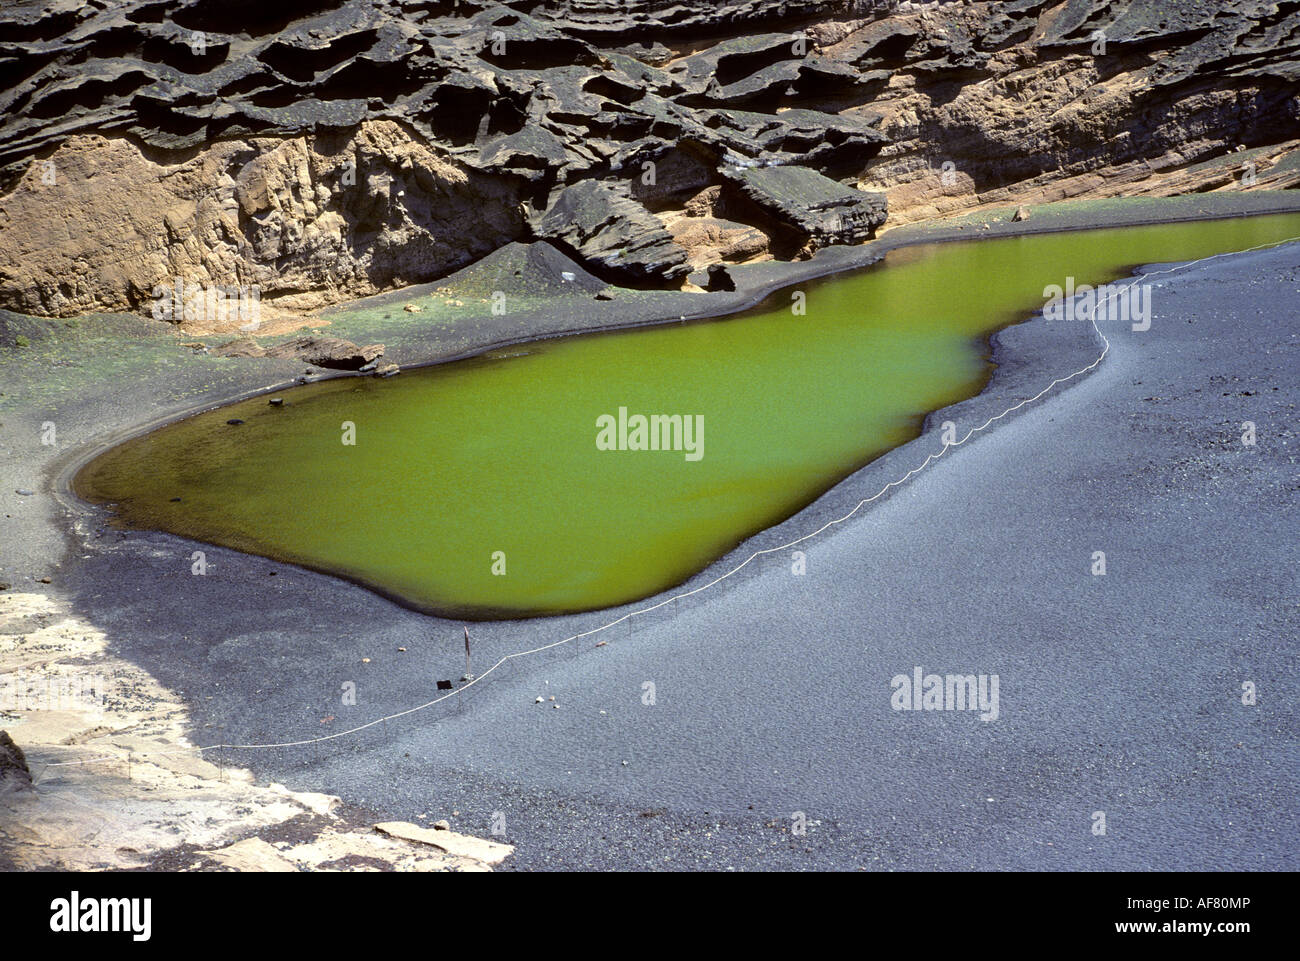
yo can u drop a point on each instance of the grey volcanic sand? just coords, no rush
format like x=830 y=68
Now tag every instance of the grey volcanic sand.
x=1118 y=693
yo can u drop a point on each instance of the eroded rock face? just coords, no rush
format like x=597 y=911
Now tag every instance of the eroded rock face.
x=211 y=139
x=305 y=220
x=995 y=102
x=812 y=206
x=612 y=232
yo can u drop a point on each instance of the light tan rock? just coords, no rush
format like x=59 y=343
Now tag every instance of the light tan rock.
x=711 y=240
x=305 y=226
x=251 y=854
x=462 y=845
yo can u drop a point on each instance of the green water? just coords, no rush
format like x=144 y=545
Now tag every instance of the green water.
x=498 y=454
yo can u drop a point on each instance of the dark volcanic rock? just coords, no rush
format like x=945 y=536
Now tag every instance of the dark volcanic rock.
x=712 y=278
x=815 y=207
x=809 y=138
x=14 y=775
x=612 y=234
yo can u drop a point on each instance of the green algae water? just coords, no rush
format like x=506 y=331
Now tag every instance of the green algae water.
x=492 y=464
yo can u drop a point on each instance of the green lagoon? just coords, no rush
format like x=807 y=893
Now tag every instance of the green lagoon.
x=493 y=462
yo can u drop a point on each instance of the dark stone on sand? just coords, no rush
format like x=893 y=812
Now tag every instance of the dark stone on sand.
x=14 y=773
x=330 y=352
x=713 y=278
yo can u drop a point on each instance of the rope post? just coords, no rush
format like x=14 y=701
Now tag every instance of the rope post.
x=468 y=675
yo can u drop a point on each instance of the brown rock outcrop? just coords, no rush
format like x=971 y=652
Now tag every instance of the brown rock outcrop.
x=305 y=222
x=328 y=352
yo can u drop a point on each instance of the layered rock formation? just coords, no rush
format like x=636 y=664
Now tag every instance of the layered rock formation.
x=320 y=150
x=304 y=220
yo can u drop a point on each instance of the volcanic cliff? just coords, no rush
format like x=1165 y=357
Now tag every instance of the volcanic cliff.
x=322 y=150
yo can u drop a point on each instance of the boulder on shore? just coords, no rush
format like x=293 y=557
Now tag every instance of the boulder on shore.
x=611 y=233
x=14 y=774
x=328 y=352
x=819 y=210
